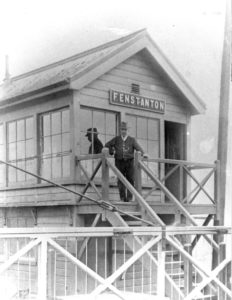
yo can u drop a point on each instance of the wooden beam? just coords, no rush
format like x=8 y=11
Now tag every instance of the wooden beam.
x=42 y=270
x=224 y=110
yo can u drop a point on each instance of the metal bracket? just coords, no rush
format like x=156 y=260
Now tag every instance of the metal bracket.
x=35 y=215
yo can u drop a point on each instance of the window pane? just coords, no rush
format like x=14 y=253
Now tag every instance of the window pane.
x=56 y=167
x=12 y=132
x=153 y=129
x=56 y=143
x=110 y=124
x=65 y=121
x=30 y=166
x=12 y=174
x=2 y=169
x=29 y=128
x=66 y=142
x=1 y=152
x=20 y=174
x=86 y=119
x=56 y=122
x=84 y=144
x=20 y=130
x=66 y=166
x=29 y=148
x=21 y=150
x=143 y=144
x=142 y=128
x=153 y=149
x=46 y=168
x=99 y=121
x=47 y=145
x=12 y=151
x=1 y=134
x=46 y=125
x=131 y=121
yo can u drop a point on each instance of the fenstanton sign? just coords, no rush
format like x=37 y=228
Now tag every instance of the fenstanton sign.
x=137 y=101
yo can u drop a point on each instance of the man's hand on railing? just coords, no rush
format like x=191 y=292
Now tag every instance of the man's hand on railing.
x=145 y=155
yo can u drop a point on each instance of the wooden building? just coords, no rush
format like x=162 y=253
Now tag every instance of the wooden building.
x=44 y=116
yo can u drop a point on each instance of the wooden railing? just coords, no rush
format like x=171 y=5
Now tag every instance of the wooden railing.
x=46 y=263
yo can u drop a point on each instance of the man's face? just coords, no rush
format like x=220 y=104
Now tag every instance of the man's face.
x=123 y=132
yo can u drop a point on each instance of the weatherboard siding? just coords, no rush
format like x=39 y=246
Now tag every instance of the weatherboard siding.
x=135 y=70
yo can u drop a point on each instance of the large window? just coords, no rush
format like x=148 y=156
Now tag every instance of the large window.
x=147 y=133
x=55 y=144
x=104 y=121
x=20 y=149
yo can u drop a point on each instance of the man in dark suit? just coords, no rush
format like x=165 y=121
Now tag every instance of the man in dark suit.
x=123 y=147
x=95 y=144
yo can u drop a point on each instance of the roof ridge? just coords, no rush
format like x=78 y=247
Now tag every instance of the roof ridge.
x=79 y=55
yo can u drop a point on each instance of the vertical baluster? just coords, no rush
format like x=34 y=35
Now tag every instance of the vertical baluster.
x=65 y=269
x=86 y=262
x=161 y=270
x=54 y=275
x=18 y=272
x=106 y=255
x=150 y=276
x=142 y=287
x=133 y=268
x=96 y=258
x=115 y=258
x=29 y=273
x=76 y=254
x=124 y=259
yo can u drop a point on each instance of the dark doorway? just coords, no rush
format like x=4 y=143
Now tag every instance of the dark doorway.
x=175 y=148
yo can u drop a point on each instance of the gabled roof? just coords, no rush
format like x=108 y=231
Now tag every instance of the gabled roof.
x=77 y=71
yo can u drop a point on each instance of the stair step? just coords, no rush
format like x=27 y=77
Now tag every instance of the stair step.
x=205 y=297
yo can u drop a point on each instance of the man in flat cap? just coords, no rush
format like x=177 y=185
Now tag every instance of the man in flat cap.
x=123 y=147
x=95 y=144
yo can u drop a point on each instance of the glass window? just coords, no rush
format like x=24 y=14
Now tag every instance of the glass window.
x=55 y=144
x=146 y=131
x=106 y=124
x=20 y=149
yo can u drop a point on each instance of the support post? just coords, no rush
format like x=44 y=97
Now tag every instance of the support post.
x=105 y=177
x=188 y=271
x=161 y=270
x=138 y=172
x=42 y=270
x=222 y=275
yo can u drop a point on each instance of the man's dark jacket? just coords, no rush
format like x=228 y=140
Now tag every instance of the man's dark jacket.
x=123 y=150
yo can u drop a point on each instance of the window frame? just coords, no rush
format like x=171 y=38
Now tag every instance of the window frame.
x=26 y=182
x=39 y=123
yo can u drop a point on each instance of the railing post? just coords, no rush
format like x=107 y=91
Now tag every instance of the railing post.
x=138 y=172
x=217 y=176
x=161 y=269
x=188 y=271
x=42 y=270
x=222 y=275
x=105 y=177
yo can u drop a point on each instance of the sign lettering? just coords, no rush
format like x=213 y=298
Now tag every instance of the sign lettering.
x=137 y=101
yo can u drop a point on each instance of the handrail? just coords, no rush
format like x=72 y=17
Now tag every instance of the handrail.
x=178 y=162
x=173 y=199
